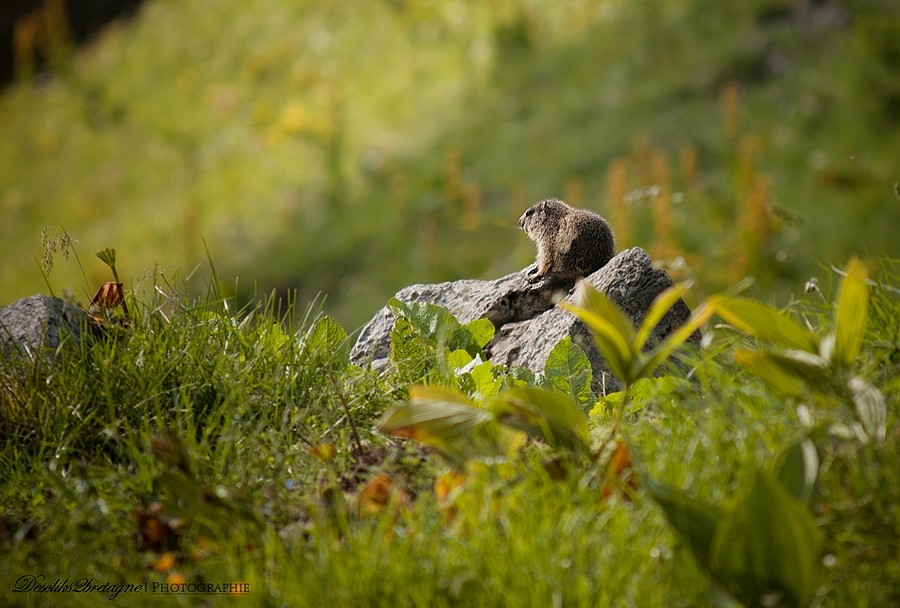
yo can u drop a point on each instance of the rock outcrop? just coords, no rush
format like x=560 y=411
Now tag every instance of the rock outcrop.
x=527 y=321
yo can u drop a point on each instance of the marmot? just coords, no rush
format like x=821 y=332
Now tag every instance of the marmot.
x=571 y=243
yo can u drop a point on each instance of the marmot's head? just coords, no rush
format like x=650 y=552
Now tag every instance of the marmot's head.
x=543 y=217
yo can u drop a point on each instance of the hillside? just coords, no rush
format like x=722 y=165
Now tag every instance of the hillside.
x=352 y=150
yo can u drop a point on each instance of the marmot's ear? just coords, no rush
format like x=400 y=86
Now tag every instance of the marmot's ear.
x=543 y=205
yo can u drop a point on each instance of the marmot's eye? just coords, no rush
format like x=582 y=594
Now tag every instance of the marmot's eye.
x=529 y=212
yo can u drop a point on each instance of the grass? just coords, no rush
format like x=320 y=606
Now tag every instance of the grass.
x=204 y=444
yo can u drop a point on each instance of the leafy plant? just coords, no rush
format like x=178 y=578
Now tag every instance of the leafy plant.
x=809 y=366
x=461 y=431
x=621 y=345
x=568 y=371
x=766 y=550
x=427 y=339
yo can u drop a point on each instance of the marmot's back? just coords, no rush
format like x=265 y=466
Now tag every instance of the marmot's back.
x=571 y=243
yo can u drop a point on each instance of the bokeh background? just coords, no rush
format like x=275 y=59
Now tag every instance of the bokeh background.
x=352 y=148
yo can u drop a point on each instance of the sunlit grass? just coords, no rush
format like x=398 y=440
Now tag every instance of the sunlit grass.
x=232 y=429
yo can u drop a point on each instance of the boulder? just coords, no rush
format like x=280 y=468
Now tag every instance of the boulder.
x=528 y=324
x=40 y=322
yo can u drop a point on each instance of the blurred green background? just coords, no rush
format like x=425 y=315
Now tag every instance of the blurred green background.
x=354 y=148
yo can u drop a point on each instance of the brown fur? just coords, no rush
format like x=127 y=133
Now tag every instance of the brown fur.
x=571 y=243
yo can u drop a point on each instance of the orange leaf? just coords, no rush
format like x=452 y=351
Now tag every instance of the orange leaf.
x=620 y=473
x=447 y=484
x=165 y=562
x=377 y=494
x=176 y=578
x=446 y=487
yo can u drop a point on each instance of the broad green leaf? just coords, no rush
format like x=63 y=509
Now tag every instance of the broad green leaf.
x=661 y=305
x=433 y=323
x=551 y=416
x=568 y=371
x=769 y=545
x=409 y=350
x=459 y=360
x=767 y=367
x=327 y=334
x=328 y=337
x=765 y=322
x=590 y=298
x=852 y=311
x=871 y=409
x=486 y=383
x=448 y=422
x=694 y=521
x=611 y=329
x=797 y=469
x=482 y=331
x=784 y=370
x=676 y=338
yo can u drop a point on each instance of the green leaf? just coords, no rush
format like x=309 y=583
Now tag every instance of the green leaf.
x=870 y=406
x=797 y=469
x=769 y=545
x=448 y=422
x=765 y=322
x=660 y=306
x=568 y=371
x=486 y=383
x=459 y=360
x=328 y=337
x=590 y=298
x=852 y=311
x=661 y=389
x=694 y=521
x=676 y=338
x=410 y=351
x=611 y=329
x=550 y=416
x=482 y=331
x=787 y=375
x=437 y=326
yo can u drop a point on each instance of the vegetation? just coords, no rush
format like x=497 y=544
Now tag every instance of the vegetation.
x=328 y=154
x=191 y=443
x=352 y=150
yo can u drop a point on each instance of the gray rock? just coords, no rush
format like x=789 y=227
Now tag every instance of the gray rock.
x=40 y=322
x=527 y=322
x=504 y=300
x=632 y=283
